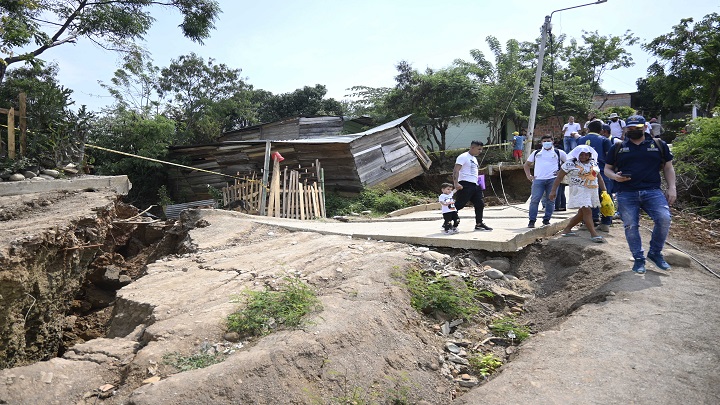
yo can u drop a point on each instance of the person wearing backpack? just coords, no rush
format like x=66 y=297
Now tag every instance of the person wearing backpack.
x=547 y=162
x=635 y=166
x=617 y=126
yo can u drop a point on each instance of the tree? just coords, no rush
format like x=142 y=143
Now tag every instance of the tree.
x=205 y=99
x=435 y=98
x=29 y=28
x=56 y=133
x=688 y=68
x=134 y=86
x=598 y=55
x=305 y=101
x=504 y=87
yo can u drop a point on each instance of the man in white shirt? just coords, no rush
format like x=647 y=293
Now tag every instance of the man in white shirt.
x=617 y=127
x=465 y=180
x=569 y=141
x=547 y=163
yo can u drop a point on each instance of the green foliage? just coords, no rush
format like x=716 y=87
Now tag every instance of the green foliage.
x=216 y=195
x=29 y=28
x=687 y=69
x=484 y=364
x=16 y=165
x=265 y=310
x=206 y=98
x=622 y=111
x=301 y=102
x=429 y=294
x=164 y=197
x=375 y=199
x=129 y=132
x=192 y=362
x=509 y=327
x=697 y=163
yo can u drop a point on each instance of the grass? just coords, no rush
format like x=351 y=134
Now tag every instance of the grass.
x=195 y=361
x=432 y=294
x=267 y=310
x=484 y=364
x=508 y=327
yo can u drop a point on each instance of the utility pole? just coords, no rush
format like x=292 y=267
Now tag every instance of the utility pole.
x=538 y=74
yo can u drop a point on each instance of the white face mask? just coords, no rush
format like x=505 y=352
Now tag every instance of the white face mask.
x=547 y=145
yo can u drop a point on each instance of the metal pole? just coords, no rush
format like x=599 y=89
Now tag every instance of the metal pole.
x=536 y=88
x=263 y=189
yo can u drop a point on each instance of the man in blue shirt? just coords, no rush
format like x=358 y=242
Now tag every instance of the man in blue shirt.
x=602 y=146
x=635 y=166
x=518 y=144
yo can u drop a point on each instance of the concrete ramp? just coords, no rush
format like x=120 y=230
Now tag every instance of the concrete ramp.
x=120 y=184
x=423 y=227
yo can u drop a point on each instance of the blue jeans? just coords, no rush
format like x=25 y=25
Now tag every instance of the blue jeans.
x=654 y=203
x=540 y=191
x=560 y=199
x=569 y=143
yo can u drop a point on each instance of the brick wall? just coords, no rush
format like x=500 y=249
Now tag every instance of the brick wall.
x=550 y=125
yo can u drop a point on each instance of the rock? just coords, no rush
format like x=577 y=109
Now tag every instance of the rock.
x=507 y=293
x=500 y=263
x=423 y=249
x=44 y=177
x=445 y=329
x=124 y=280
x=52 y=173
x=232 y=337
x=436 y=256
x=452 y=348
x=29 y=174
x=473 y=381
x=457 y=359
x=677 y=258
x=368 y=212
x=151 y=380
x=16 y=177
x=494 y=274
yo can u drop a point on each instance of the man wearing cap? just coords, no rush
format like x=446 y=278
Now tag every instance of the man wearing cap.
x=569 y=140
x=518 y=143
x=635 y=166
x=617 y=126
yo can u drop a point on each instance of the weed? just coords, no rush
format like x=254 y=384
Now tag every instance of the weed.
x=508 y=326
x=439 y=294
x=267 y=309
x=195 y=361
x=164 y=196
x=484 y=364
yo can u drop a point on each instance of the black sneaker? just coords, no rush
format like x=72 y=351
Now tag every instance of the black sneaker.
x=482 y=227
x=546 y=223
x=531 y=224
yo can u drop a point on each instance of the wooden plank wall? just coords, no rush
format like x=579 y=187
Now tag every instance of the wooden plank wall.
x=385 y=158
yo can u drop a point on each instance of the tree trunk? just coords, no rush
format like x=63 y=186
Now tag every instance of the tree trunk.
x=3 y=69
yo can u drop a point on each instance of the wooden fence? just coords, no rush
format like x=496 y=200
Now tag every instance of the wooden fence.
x=297 y=193
x=11 y=114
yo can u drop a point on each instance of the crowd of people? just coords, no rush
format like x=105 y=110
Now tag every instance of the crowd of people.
x=622 y=158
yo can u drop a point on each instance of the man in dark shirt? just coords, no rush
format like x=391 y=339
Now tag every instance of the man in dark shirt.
x=635 y=166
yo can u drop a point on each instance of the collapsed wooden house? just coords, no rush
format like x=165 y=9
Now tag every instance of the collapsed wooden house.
x=387 y=155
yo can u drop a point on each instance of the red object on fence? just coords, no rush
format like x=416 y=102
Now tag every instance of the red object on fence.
x=277 y=156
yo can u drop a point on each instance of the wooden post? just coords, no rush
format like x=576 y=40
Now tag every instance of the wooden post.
x=301 y=198
x=285 y=194
x=264 y=185
x=11 y=133
x=23 y=123
x=274 y=204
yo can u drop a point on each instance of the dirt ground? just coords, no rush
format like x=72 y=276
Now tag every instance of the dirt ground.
x=600 y=333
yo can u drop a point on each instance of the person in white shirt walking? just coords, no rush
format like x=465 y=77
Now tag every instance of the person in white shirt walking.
x=617 y=127
x=547 y=162
x=569 y=139
x=465 y=180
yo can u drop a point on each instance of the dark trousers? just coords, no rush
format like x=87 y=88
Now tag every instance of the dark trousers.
x=560 y=199
x=449 y=217
x=471 y=192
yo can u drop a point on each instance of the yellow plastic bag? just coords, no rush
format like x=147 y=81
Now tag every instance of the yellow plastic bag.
x=607 y=208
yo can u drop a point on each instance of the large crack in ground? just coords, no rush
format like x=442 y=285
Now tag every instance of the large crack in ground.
x=561 y=277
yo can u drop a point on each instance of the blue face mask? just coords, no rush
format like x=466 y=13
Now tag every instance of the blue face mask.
x=547 y=145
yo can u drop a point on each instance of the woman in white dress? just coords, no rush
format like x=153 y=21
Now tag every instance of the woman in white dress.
x=583 y=173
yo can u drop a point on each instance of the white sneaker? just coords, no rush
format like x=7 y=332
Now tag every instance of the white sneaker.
x=454 y=230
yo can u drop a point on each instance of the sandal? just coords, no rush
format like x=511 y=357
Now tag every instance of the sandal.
x=569 y=234
x=597 y=239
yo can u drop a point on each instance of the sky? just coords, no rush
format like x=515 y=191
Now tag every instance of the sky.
x=283 y=45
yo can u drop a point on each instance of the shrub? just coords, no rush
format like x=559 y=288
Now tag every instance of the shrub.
x=484 y=364
x=508 y=327
x=265 y=310
x=697 y=162
x=431 y=294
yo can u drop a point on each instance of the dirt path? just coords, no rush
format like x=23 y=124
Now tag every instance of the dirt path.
x=652 y=342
